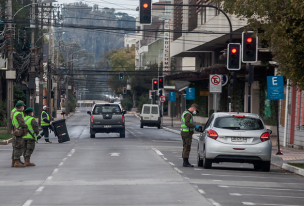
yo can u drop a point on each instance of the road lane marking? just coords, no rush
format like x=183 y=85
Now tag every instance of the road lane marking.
x=158 y=152
x=213 y=202
x=165 y=159
x=260 y=188
x=64 y=159
x=28 y=203
x=202 y=192
x=61 y=163
x=252 y=203
x=197 y=169
x=55 y=171
x=40 y=189
x=238 y=194
x=217 y=180
x=49 y=178
x=241 y=176
x=71 y=152
x=171 y=163
x=179 y=171
x=114 y=154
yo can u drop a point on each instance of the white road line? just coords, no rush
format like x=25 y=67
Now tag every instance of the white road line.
x=179 y=171
x=260 y=188
x=187 y=178
x=240 y=176
x=28 y=203
x=61 y=163
x=165 y=159
x=64 y=159
x=71 y=152
x=55 y=171
x=202 y=191
x=197 y=169
x=49 y=178
x=157 y=152
x=213 y=202
x=40 y=189
x=171 y=163
x=238 y=194
x=217 y=180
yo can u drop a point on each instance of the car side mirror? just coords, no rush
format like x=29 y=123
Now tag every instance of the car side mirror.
x=89 y=113
x=270 y=131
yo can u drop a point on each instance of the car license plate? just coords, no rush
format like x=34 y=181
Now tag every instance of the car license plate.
x=146 y=118
x=107 y=126
x=238 y=139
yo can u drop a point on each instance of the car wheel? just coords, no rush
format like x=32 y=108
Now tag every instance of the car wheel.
x=207 y=163
x=141 y=126
x=257 y=166
x=200 y=162
x=158 y=126
x=266 y=166
x=92 y=135
x=122 y=134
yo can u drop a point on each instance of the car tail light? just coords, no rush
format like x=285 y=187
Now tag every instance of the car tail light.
x=158 y=118
x=265 y=136
x=238 y=115
x=123 y=119
x=92 y=119
x=141 y=118
x=212 y=134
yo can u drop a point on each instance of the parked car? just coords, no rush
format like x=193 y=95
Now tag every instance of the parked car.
x=235 y=137
x=107 y=118
x=150 y=116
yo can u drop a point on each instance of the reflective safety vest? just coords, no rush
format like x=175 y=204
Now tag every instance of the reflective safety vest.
x=28 y=122
x=184 y=128
x=43 y=123
x=14 y=121
x=13 y=112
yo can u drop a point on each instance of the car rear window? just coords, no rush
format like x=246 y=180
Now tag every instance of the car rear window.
x=238 y=123
x=100 y=109
x=154 y=110
x=146 y=110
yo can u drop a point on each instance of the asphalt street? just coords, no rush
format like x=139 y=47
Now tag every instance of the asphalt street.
x=145 y=168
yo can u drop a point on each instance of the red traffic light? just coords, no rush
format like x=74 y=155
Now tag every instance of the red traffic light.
x=155 y=82
x=234 y=50
x=145 y=5
x=249 y=40
x=160 y=79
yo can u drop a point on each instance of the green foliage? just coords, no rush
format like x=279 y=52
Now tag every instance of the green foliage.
x=300 y=165
x=72 y=102
x=281 y=26
x=3 y=120
x=5 y=136
x=19 y=95
x=126 y=103
x=143 y=99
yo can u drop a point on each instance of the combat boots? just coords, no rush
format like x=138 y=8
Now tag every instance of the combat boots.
x=28 y=162
x=18 y=164
x=186 y=163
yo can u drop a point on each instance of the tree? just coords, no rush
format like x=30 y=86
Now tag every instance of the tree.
x=281 y=26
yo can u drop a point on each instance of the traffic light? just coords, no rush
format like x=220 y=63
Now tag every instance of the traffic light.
x=160 y=92
x=249 y=77
x=152 y=95
x=154 y=84
x=160 y=82
x=74 y=91
x=124 y=90
x=120 y=75
x=250 y=47
x=145 y=11
x=234 y=56
x=232 y=79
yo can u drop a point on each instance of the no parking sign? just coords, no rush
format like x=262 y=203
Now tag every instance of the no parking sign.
x=215 y=83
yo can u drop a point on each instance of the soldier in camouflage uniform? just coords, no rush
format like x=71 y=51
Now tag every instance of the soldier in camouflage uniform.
x=20 y=129
x=30 y=139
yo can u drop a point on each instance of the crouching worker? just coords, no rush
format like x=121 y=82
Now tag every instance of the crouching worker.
x=29 y=140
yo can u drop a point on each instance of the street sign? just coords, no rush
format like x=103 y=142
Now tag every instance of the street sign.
x=162 y=99
x=224 y=80
x=215 y=83
x=172 y=96
x=275 y=86
x=190 y=93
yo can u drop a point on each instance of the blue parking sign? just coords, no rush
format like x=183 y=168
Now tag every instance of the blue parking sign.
x=190 y=93
x=172 y=96
x=275 y=87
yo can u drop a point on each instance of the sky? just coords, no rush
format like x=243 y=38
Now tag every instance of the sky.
x=126 y=6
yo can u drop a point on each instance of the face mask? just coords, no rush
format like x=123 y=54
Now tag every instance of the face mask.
x=194 y=112
x=22 y=109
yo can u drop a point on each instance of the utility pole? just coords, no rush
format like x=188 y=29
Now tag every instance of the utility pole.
x=32 y=73
x=67 y=108
x=49 y=75
x=10 y=66
x=41 y=67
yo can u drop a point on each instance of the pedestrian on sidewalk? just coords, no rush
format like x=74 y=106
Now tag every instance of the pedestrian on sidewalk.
x=20 y=129
x=29 y=140
x=187 y=130
x=45 y=124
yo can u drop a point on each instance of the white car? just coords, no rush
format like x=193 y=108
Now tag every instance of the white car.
x=150 y=116
x=235 y=137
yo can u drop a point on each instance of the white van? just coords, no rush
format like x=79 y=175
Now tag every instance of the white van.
x=150 y=116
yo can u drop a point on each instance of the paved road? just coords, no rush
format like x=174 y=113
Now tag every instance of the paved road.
x=142 y=169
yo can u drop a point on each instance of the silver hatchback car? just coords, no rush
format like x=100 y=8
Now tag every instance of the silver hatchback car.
x=235 y=137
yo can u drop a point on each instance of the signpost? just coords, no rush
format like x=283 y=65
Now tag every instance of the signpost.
x=190 y=94
x=275 y=87
x=172 y=98
x=224 y=80
x=215 y=86
x=162 y=99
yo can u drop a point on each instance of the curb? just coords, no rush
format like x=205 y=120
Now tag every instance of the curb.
x=6 y=142
x=293 y=169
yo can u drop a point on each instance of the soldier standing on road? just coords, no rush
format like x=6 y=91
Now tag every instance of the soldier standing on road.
x=45 y=124
x=187 y=130
x=30 y=139
x=20 y=129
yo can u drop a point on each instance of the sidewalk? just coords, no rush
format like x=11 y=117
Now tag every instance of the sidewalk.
x=290 y=155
